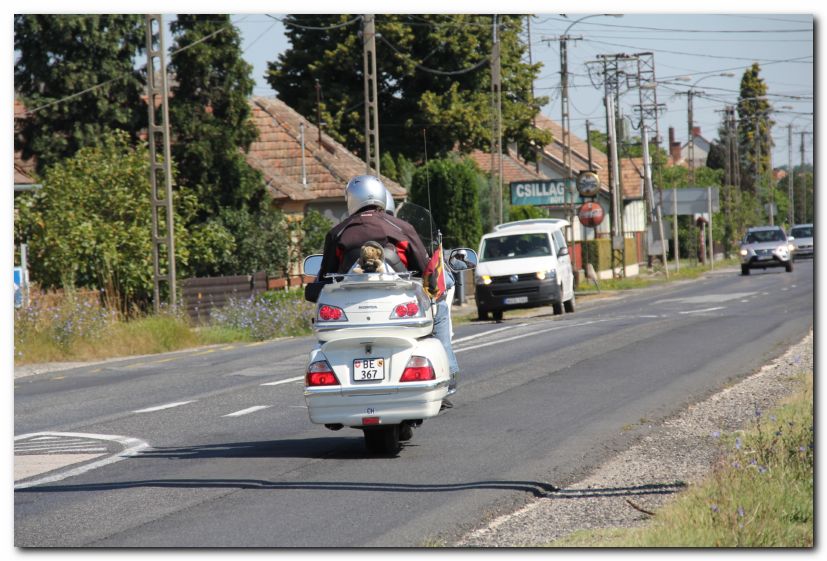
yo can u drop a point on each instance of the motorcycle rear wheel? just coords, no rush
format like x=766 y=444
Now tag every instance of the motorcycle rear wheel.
x=382 y=440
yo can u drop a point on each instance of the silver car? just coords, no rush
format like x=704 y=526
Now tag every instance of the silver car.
x=766 y=246
x=802 y=235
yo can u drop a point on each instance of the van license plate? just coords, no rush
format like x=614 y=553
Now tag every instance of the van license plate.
x=368 y=369
x=516 y=300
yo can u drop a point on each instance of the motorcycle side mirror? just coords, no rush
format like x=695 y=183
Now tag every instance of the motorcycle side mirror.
x=312 y=265
x=462 y=259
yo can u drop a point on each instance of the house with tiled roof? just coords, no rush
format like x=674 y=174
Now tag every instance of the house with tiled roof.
x=303 y=169
x=513 y=168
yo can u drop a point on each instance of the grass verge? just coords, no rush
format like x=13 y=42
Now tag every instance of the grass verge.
x=74 y=329
x=760 y=493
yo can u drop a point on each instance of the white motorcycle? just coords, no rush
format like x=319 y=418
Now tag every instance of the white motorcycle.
x=377 y=366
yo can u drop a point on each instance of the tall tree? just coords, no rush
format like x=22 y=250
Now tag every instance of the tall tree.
x=210 y=114
x=450 y=187
x=76 y=74
x=433 y=72
x=754 y=129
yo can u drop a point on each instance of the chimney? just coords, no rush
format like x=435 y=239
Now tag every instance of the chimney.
x=696 y=131
x=674 y=146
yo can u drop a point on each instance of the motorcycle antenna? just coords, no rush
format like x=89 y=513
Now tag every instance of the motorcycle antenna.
x=428 y=183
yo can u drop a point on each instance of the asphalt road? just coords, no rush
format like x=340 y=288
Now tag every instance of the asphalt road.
x=223 y=454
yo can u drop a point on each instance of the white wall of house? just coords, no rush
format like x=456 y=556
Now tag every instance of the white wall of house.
x=702 y=148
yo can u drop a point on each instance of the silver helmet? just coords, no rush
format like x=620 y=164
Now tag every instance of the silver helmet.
x=365 y=190
x=390 y=204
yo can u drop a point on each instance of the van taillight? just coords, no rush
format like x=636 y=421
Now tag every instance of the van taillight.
x=418 y=369
x=320 y=374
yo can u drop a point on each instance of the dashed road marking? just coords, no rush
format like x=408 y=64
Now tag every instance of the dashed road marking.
x=208 y=351
x=285 y=381
x=564 y=325
x=247 y=411
x=256 y=344
x=164 y=360
x=162 y=407
x=704 y=310
x=476 y=336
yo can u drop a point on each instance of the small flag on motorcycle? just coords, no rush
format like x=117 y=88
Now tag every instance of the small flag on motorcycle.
x=434 y=275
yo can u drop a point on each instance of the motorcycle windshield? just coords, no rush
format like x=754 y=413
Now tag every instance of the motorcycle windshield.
x=420 y=218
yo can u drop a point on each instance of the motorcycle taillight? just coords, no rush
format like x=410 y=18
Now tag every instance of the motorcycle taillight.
x=320 y=373
x=331 y=313
x=418 y=369
x=406 y=310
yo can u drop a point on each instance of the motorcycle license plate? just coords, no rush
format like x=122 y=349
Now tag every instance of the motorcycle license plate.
x=368 y=369
x=516 y=300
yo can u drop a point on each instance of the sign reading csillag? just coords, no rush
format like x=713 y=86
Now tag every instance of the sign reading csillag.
x=549 y=192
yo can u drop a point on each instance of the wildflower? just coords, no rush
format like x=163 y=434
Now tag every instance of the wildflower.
x=737 y=443
x=740 y=512
x=716 y=434
x=762 y=469
x=714 y=508
x=773 y=418
x=736 y=465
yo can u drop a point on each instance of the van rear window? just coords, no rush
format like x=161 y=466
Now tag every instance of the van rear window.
x=515 y=246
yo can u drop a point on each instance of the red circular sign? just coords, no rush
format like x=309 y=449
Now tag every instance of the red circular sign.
x=590 y=214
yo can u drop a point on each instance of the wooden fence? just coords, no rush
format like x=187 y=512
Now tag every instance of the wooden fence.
x=202 y=295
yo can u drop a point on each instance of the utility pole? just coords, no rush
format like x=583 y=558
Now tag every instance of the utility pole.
x=610 y=74
x=496 y=100
x=690 y=121
x=648 y=109
x=565 y=124
x=159 y=171
x=758 y=161
x=790 y=190
x=371 y=106
x=319 y=110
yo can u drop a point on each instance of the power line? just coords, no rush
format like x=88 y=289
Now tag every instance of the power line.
x=314 y=28
x=689 y=30
x=419 y=66
x=703 y=55
x=125 y=76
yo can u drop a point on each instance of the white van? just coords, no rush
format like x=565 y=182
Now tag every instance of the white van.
x=524 y=264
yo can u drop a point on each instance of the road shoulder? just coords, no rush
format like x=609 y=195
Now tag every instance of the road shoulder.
x=677 y=454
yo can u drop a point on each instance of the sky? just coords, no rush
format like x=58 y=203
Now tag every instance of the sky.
x=690 y=50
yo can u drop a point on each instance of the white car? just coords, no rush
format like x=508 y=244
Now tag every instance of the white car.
x=524 y=264
x=766 y=246
x=802 y=235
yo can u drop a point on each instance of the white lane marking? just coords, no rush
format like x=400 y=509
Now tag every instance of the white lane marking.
x=476 y=336
x=132 y=446
x=531 y=334
x=161 y=407
x=707 y=298
x=647 y=317
x=704 y=310
x=285 y=381
x=247 y=411
x=60 y=449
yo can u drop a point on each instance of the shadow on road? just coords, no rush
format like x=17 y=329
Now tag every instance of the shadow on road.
x=536 y=488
